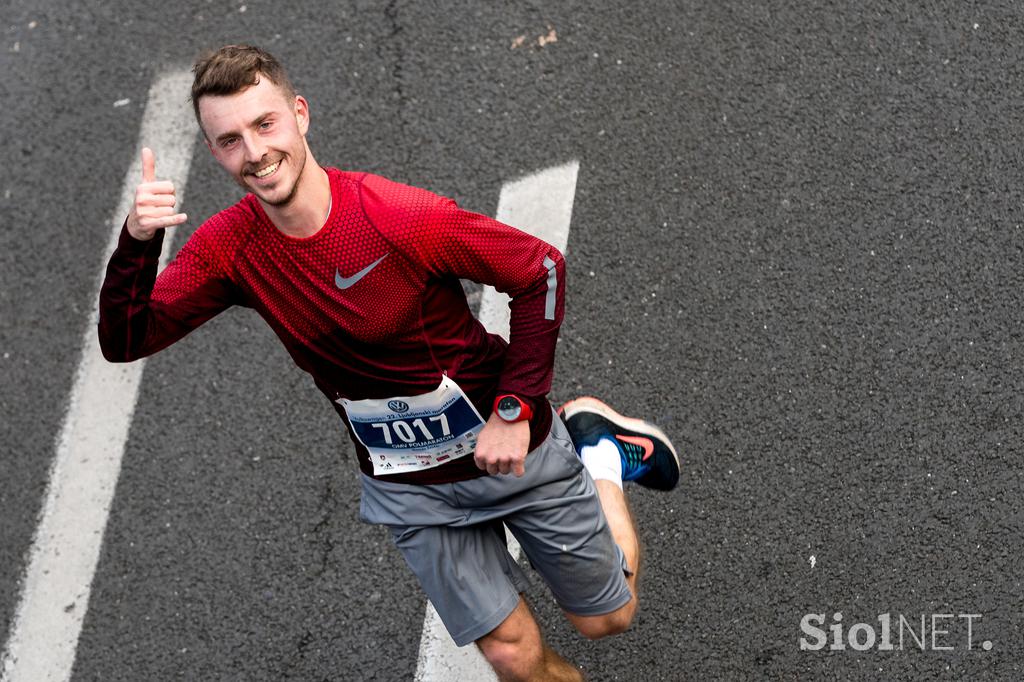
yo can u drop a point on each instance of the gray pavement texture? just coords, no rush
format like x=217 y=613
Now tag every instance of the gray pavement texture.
x=796 y=245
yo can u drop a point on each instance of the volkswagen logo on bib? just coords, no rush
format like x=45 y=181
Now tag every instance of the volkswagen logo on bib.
x=398 y=405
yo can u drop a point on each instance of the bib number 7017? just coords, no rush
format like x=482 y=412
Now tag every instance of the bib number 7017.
x=406 y=431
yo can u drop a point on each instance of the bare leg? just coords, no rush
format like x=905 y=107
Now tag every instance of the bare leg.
x=620 y=521
x=518 y=654
x=642 y=453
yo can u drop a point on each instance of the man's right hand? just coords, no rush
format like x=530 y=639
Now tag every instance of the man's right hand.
x=154 y=202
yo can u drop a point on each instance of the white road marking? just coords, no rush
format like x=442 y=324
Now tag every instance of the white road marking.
x=55 y=593
x=540 y=204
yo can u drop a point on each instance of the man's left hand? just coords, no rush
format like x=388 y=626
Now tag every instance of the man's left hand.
x=501 y=447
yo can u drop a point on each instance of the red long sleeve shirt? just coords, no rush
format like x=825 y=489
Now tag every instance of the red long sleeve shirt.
x=371 y=305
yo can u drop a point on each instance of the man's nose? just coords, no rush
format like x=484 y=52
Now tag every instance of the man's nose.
x=254 y=148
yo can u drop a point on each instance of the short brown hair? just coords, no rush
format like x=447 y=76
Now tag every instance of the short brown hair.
x=234 y=68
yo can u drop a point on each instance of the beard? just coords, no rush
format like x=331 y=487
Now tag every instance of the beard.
x=289 y=195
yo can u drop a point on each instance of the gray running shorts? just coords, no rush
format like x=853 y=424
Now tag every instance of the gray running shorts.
x=450 y=535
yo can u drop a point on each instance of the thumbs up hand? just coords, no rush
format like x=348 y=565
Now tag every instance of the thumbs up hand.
x=154 y=202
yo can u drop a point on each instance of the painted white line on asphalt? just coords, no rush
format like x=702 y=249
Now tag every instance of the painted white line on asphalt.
x=55 y=593
x=540 y=204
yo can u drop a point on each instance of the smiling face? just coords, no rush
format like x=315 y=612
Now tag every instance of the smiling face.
x=258 y=136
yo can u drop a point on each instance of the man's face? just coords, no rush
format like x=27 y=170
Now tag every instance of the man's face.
x=257 y=136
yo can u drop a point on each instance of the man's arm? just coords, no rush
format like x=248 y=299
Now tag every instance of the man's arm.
x=532 y=273
x=528 y=269
x=450 y=241
x=141 y=313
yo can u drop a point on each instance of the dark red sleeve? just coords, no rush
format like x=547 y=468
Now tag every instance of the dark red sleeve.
x=450 y=241
x=532 y=273
x=140 y=312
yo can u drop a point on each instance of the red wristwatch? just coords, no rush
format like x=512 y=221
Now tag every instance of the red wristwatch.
x=511 y=409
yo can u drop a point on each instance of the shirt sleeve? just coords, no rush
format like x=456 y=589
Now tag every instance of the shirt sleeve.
x=529 y=270
x=451 y=241
x=141 y=312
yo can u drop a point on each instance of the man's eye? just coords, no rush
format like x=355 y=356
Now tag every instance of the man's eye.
x=228 y=142
x=265 y=125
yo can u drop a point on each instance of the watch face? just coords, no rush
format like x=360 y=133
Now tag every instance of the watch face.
x=509 y=408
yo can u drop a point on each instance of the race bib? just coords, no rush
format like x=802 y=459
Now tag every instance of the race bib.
x=416 y=432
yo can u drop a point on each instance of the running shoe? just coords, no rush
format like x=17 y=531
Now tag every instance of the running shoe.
x=648 y=456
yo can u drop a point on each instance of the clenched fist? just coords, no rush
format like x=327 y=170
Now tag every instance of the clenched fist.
x=154 y=202
x=501 y=448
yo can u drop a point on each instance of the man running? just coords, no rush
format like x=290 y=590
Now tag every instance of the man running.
x=359 y=278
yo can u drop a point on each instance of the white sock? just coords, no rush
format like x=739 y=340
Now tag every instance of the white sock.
x=603 y=461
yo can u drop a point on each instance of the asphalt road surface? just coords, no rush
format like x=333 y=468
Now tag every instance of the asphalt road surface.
x=796 y=244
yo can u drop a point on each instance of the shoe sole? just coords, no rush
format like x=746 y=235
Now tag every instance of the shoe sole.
x=588 y=404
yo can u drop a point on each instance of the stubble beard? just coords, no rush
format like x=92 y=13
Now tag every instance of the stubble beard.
x=290 y=196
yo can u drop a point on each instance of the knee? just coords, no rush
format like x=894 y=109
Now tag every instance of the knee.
x=514 y=649
x=598 y=627
x=512 y=660
x=605 y=627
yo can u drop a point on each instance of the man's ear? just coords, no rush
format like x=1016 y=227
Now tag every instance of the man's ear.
x=302 y=113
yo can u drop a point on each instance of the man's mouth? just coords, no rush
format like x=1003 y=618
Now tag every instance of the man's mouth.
x=267 y=170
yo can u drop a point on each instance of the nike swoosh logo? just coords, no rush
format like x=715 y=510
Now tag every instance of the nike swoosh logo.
x=646 y=443
x=346 y=282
